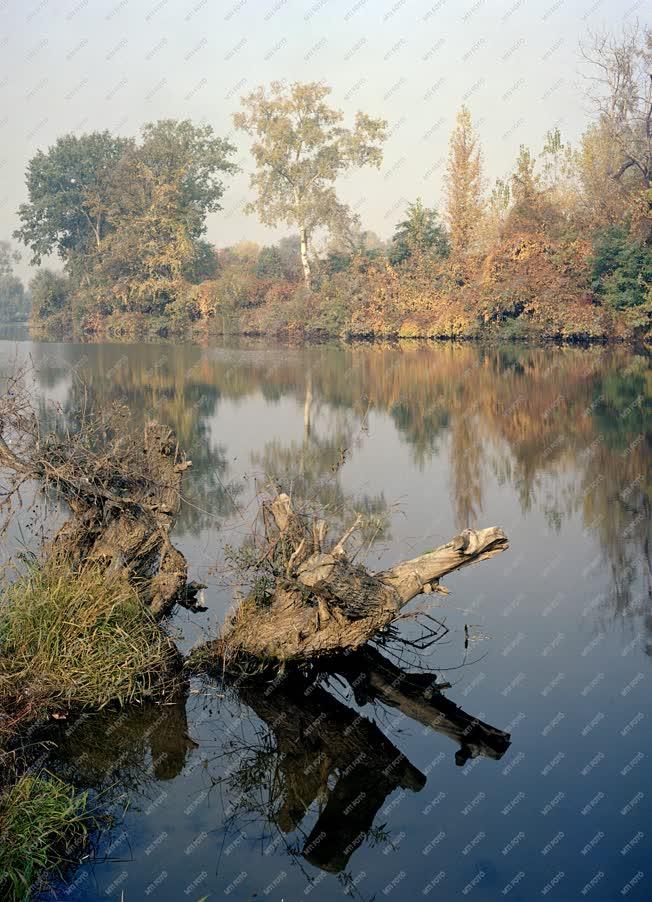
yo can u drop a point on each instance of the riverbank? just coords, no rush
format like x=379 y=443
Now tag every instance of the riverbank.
x=529 y=289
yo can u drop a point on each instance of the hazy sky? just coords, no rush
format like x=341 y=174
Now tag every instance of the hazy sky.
x=85 y=65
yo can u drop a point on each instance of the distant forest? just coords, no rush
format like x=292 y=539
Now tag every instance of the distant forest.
x=560 y=247
x=14 y=300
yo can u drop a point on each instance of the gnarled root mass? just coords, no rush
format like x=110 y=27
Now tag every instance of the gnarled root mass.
x=122 y=487
x=127 y=527
x=321 y=602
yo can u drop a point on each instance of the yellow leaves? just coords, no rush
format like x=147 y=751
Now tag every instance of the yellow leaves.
x=463 y=185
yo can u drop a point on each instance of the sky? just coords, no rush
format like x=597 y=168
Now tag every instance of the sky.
x=86 y=65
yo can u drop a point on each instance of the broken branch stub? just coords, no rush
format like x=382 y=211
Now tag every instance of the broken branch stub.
x=324 y=603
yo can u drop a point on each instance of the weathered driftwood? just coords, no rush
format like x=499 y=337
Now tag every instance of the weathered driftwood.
x=322 y=601
x=132 y=531
x=123 y=492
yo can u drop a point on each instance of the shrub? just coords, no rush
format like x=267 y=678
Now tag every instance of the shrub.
x=621 y=269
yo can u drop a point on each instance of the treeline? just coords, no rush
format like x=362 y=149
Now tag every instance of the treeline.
x=14 y=300
x=560 y=247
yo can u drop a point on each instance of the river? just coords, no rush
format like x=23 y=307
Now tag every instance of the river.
x=222 y=796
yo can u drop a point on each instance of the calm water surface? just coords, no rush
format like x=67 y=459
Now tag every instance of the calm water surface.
x=239 y=795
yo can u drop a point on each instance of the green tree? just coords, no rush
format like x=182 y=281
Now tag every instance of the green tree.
x=300 y=148
x=70 y=191
x=269 y=264
x=419 y=233
x=14 y=302
x=349 y=241
x=203 y=264
x=289 y=249
x=7 y=259
x=51 y=299
x=127 y=217
x=193 y=161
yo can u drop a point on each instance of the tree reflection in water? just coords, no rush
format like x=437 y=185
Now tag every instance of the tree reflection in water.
x=316 y=751
x=568 y=429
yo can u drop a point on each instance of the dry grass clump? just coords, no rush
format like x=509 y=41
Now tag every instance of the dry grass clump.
x=78 y=639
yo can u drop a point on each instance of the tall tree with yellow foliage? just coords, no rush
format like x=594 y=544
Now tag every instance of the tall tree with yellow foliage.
x=464 y=203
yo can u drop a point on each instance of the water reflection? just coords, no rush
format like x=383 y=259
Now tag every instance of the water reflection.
x=568 y=429
x=320 y=750
x=310 y=750
x=125 y=748
x=553 y=445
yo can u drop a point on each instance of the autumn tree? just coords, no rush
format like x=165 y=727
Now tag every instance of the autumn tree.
x=300 y=148
x=464 y=185
x=559 y=174
x=498 y=205
x=620 y=85
x=525 y=189
x=603 y=200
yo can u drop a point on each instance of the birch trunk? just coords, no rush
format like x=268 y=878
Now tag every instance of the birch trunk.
x=305 y=262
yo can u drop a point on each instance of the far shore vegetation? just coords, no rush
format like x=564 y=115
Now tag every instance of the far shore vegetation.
x=560 y=247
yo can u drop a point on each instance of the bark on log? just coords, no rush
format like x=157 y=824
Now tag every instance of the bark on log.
x=323 y=602
x=133 y=533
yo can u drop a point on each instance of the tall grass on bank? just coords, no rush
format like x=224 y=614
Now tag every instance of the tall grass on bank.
x=44 y=823
x=78 y=639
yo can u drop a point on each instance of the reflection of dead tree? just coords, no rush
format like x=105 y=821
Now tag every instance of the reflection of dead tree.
x=313 y=600
x=374 y=678
x=317 y=736
x=125 y=748
x=321 y=751
x=122 y=489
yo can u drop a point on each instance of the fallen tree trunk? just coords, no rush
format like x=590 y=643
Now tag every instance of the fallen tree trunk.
x=322 y=602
